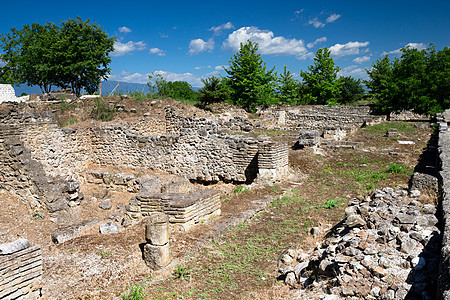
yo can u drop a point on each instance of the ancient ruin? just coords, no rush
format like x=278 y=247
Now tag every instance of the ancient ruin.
x=165 y=168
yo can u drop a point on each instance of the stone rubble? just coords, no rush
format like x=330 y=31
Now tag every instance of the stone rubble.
x=387 y=247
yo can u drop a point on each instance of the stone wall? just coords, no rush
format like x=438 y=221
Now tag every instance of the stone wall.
x=7 y=93
x=21 y=273
x=444 y=155
x=272 y=160
x=324 y=118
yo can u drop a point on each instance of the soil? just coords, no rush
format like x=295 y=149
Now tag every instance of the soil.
x=96 y=266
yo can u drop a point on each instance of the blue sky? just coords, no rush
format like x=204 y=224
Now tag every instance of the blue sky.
x=190 y=40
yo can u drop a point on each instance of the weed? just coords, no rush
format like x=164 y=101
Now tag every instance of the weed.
x=330 y=204
x=394 y=168
x=240 y=189
x=276 y=188
x=104 y=254
x=135 y=293
x=181 y=272
x=102 y=111
x=37 y=215
x=71 y=121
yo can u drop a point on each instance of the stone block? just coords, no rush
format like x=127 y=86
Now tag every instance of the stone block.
x=157 y=229
x=13 y=247
x=309 y=137
x=157 y=257
x=109 y=227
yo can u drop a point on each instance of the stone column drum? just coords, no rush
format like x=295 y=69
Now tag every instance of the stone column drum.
x=157 y=248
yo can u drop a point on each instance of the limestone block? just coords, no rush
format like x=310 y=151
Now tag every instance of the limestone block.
x=109 y=227
x=157 y=257
x=309 y=137
x=13 y=247
x=157 y=229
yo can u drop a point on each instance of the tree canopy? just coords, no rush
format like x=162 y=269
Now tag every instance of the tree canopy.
x=252 y=84
x=321 y=84
x=74 y=54
x=418 y=80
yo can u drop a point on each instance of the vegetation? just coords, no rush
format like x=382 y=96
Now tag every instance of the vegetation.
x=178 y=90
x=289 y=88
x=251 y=83
x=215 y=90
x=418 y=80
x=135 y=293
x=321 y=84
x=74 y=55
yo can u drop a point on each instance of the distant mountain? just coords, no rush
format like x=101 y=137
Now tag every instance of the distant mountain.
x=107 y=87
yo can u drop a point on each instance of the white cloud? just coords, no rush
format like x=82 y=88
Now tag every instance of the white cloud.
x=192 y=79
x=418 y=46
x=361 y=59
x=124 y=76
x=332 y=18
x=157 y=51
x=198 y=46
x=351 y=48
x=316 y=23
x=2 y=63
x=319 y=40
x=354 y=71
x=121 y=49
x=218 y=68
x=124 y=29
x=128 y=77
x=203 y=67
x=268 y=44
x=218 y=29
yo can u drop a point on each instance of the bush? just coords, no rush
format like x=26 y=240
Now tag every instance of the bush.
x=102 y=111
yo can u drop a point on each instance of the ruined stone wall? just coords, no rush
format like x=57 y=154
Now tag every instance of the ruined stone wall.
x=272 y=160
x=321 y=117
x=21 y=274
x=195 y=148
x=444 y=155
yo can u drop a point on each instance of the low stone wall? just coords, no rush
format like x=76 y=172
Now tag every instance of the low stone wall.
x=321 y=117
x=272 y=160
x=21 y=273
x=444 y=155
x=182 y=209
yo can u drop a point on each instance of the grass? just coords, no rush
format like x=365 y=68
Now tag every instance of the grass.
x=181 y=272
x=102 y=110
x=240 y=189
x=135 y=293
x=382 y=128
x=71 y=121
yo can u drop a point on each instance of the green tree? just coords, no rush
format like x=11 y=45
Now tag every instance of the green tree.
x=73 y=55
x=29 y=56
x=251 y=83
x=419 y=80
x=214 y=90
x=159 y=86
x=83 y=55
x=289 y=88
x=381 y=84
x=351 y=91
x=321 y=84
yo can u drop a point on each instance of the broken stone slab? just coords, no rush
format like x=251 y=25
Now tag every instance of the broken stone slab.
x=355 y=221
x=105 y=205
x=13 y=247
x=70 y=232
x=309 y=137
x=108 y=228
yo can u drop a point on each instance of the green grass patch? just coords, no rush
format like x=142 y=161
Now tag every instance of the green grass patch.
x=71 y=121
x=382 y=128
x=135 y=293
